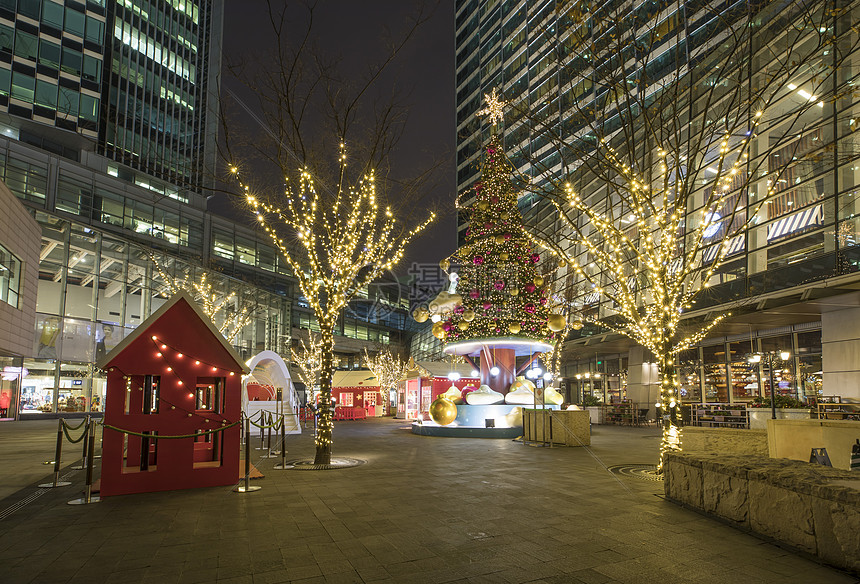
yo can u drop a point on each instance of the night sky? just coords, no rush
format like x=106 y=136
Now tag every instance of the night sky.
x=423 y=71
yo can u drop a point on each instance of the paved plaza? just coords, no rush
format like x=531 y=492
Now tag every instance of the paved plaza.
x=422 y=510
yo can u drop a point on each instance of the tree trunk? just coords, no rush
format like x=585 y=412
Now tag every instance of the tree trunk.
x=670 y=407
x=325 y=422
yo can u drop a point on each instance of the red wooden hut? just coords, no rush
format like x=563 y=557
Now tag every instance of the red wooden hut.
x=175 y=375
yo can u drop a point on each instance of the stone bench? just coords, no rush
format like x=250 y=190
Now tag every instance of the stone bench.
x=813 y=508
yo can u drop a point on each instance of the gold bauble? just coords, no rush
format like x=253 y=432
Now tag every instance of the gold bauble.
x=500 y=239
x=576 y=325
x=420 y=314
x=504 y=215
x=515 y=291
x=504 y=256
x=562 y=264
x=469 y=315
x=522 y=383
x=463 y=325
x=465 y=251
x=483 y=205
x=514 y=327
x=538 y=281
x=443 y=411
x=445 y=264
x=556 y=322
x=439 y=331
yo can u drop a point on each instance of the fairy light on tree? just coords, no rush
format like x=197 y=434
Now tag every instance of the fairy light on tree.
x=388 y=368
x=215 y=305
x=309 y=360
x=345 y=241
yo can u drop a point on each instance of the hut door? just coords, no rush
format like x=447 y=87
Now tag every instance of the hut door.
x=370 y=402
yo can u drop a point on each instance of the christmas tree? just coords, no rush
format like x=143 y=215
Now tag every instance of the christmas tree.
x=502 y=294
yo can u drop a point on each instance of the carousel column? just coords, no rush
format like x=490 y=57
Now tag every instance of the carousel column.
x=506 y=361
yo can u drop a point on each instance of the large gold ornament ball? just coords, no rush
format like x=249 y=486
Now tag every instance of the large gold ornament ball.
x=444 y=264
x=439 y=331
x=463 y=325
x=469 y=315
x=514 y=327
x=443 y=411
x=420 y=314
x=556 y=322
x=576 y=325
x=515 y=291
x=500 y=239
x=538 y=281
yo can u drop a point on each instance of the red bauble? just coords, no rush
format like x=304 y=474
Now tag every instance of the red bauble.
x=543 y=300
x=529 y=307
x=478 y=260
x=474 y=294
x=535 y=257
x=487 y=305
x=530 y=288
x=447 y=326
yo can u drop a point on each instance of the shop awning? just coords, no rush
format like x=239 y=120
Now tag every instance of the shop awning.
x=812 y=216
x=735 y=245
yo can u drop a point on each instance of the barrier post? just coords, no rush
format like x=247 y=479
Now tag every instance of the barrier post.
x=246 y=487
x=86 y=441
x=283 y=465
x=262 y=431
x=57 y=454
x=88 y=489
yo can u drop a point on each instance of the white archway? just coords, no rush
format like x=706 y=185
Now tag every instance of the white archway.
x=269 y=369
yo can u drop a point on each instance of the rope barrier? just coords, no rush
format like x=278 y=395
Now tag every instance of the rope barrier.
x=66 y=429
x=160 y=437
x=73 y=428
x=261 y=426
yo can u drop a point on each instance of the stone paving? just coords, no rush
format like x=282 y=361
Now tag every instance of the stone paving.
x=421 y=510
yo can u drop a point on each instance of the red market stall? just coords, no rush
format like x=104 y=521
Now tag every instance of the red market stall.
x=356 y=394
x=425 y=382
x=174 y=375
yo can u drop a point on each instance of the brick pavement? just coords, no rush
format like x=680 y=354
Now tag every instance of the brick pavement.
x=422 y=510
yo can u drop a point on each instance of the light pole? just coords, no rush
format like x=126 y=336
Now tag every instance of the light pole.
x=770 y=358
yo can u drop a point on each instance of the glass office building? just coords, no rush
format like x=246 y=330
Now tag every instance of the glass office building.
x=789 y=277
x=108 y=120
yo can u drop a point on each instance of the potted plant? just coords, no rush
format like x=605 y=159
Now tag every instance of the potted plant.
x=787 y=408
x=593 y=404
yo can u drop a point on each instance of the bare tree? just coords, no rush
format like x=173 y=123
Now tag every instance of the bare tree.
x=679 y=130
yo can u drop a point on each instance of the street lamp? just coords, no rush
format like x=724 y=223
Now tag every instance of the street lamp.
x=770 y=358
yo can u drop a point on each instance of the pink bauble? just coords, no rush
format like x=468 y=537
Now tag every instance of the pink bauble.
x=535 y=257
x=530 y=288
x=460 y=309
x=491 y=150
x=543 y=301
x=508 y=236
x=447 y=326
x=488 y=305
x=467 y=390
x=478 y=187
x=478 y=260
x=499 y=284
x=474 y=294
x=530 y=308
x=489 y=225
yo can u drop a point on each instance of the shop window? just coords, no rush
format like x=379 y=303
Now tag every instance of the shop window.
x=716 y=387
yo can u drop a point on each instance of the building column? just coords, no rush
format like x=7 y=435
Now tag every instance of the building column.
x=840 y=348
x=643 y=380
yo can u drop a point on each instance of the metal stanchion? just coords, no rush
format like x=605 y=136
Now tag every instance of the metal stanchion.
x=262 y=433
x=283 y=465
x=246 y=487
x=57 y=482
x=88 y=490
x=86 y=441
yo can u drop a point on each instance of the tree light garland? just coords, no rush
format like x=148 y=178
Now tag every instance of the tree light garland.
x=388 y=369
x=344 y=243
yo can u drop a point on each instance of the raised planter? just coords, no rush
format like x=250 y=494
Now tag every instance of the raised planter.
x=760 y=416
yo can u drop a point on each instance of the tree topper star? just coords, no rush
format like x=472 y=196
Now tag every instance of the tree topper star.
x=494 y=107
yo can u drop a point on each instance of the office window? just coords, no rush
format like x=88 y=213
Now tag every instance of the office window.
x=5 y=81
x=10 y=277
x=52 y=14
x=89 y=107
x=92 y=69
x=46 y=94
x=72 y=61
x=26 y=45
x=29 y=8
x=49 y=54
x=95 y=30
x=68 y=102
x=7 y=38
x=75 y=22
x=23 y=87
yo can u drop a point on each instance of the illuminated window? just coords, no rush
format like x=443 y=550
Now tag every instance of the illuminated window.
x=10 y=277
